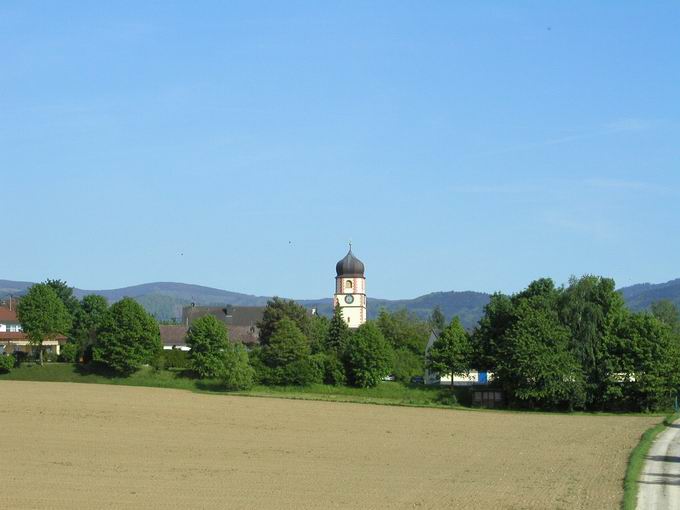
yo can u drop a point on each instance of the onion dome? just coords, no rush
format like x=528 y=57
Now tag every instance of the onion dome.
x=350 y=265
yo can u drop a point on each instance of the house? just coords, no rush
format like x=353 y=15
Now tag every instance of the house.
x=13 y=339
x=240 y=321
x=474 y=377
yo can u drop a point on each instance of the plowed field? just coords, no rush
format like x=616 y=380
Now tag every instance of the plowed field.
x=71 y=446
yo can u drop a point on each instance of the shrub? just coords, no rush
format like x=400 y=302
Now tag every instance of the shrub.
x=70 y=353
x=175 y=358
x=128 y=338
x=237 y=374
x=333 y=370
x=50 y=357
x=298 y=373
x=7 y=362
x=207 y=338
x=368 y=356
x=287 y=355
x=407 y=364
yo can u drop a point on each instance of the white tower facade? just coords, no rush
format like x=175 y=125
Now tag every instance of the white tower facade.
x=350 y=289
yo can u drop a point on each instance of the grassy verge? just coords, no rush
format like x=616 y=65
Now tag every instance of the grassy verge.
x=386 y=393
x=637 y=459
x=389 y=393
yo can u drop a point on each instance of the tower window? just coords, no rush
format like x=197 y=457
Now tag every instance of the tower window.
x=348 y=284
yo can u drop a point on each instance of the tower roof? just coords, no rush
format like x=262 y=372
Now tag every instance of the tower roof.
x=350 y=265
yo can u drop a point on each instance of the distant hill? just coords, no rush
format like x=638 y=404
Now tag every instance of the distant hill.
x=641 y=296
x=165 y=299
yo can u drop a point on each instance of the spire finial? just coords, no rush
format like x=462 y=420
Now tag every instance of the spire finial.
x=350 y=245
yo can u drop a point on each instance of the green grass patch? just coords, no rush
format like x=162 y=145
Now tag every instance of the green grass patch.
x=636 y=461
x=393 y=393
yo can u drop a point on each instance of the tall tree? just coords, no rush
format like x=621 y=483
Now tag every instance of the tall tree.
x=88 y=319
x=647 y=357
x=537 y=366
x=451 y=352
x=488 y=337
x=368 y=356
x=338 y=333
x=288 y=356
x=276 y=310
x=43 y=316
x=208 y=339
x=437 y=319
x=668 y=313
x=317 y=332
x=236 y=372
x=404 y=330
x=589 y=307
x=65 y=293
x=127 y=338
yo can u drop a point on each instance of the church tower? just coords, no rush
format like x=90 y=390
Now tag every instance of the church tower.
x=350 y=289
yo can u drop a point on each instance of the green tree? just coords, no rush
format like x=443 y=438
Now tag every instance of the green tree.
x=437 y=319
x=127 y=338
x=65 y=293
x=317 y=332
x=589 y=307
x=286 y=345
x=88 y=319
x=236 y=372
x=368 y=356
x=451 y=352
x=43 y=316
x=487 y=339
x=668 y=313
x=537 y=366
x=207 y=338
x=338 y=333
x=288 y=356
x=404 y=330
x=407 y=365
x=276 y=310
x=648 y=362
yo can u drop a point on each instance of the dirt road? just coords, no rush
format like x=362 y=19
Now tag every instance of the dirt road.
x=72 y=446
x=659 y=486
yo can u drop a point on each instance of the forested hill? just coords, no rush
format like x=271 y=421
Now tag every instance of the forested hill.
x=165 y=300
x=641 y=296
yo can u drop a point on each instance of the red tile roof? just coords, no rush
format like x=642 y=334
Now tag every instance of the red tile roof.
x=12 y=335
x=8 y=315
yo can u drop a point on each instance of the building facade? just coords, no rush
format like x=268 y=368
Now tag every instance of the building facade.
x=350 y=289
x=13 y=339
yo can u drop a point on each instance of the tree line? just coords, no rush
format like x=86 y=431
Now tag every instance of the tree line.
x=570 y=347
x=548 y=347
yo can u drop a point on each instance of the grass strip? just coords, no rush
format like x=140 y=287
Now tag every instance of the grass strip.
x=636 y=461
x=386 y=393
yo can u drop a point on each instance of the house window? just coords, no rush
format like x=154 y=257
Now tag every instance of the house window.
x=348 y=320
x=348 y=284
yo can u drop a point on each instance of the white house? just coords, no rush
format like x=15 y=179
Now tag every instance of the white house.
x=13 y=339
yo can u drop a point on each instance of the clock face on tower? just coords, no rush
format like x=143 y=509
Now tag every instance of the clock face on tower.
x=349 y=299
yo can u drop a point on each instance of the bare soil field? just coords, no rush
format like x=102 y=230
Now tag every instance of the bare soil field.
x=70 y=446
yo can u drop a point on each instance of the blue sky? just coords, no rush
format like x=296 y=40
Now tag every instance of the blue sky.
x=461 y=146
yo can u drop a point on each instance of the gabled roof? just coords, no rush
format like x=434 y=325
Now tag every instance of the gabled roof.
x=246 y=316
x=173 y=335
